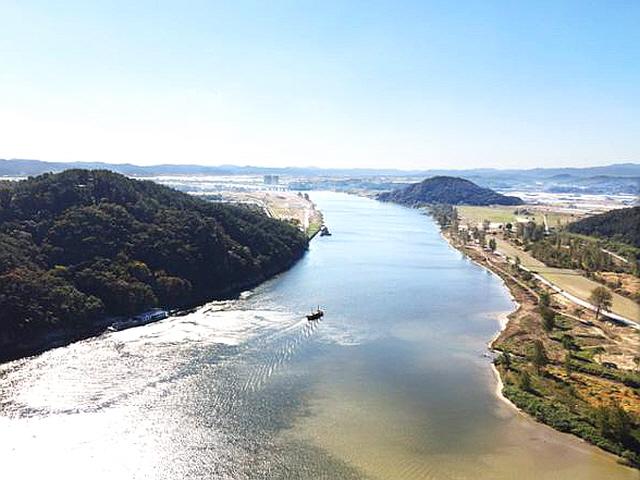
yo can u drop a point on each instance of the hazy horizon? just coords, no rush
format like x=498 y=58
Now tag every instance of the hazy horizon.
x=412 y=86
x=311 y=167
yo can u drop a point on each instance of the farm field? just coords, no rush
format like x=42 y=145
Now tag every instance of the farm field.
x=581 y=287
x=569 y=280
x=507 y=214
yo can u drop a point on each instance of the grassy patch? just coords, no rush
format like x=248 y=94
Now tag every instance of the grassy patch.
x=493 y=214
x=581 y=287
x=314 y=228
x=569 y=280
x=506 y=214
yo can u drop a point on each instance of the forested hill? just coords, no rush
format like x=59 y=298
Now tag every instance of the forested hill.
x=447 y=190
x=81 y=245
x=621 y=225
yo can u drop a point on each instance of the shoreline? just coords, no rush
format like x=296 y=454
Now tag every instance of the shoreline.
x=65 y=337
x=510 y=319
x=503 y=321
x=498 y=393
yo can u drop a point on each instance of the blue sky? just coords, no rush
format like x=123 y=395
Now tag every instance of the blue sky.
x=335 y=84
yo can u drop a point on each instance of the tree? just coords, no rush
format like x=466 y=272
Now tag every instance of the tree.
x=524 y=381
x=568 y=343
x=539 y=356
x=602 y=299
x=567 y=364
x=526 y=275
x=505 y=360
x=548 y=318
x=482 y=238
x=515 y=266
x=613 y=421
x=544 y=299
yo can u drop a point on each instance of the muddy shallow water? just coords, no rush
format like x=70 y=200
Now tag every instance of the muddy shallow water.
x=392 y=383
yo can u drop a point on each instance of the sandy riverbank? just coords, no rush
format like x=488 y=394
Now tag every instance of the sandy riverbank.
x=503 y=321
x=292 y=207
x=593 y=386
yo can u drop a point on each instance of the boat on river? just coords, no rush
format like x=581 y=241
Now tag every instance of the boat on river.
x=152 y=315
x=315 y=315
x=324 y=231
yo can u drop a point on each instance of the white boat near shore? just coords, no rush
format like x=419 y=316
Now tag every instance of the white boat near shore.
x=149 y=316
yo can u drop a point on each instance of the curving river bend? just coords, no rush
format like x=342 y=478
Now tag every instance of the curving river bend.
x=391 y=384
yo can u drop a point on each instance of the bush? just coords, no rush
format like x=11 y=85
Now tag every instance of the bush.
x=548 y=318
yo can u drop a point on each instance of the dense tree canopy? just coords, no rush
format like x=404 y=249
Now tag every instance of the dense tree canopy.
x=81 y=245
x=621 y=225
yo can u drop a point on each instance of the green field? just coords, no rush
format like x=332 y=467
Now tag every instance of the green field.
x=504 y=214
x=581 y=287
x=526 y=260
x=493 y=214
x=569 y=280
x=314 y=226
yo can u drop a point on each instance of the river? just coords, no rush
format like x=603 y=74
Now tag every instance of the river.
x=393 y=383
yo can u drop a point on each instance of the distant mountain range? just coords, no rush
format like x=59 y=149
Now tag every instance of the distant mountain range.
x=35 y=167
x=450 y=190
x=622 y=178
x=17 y=167
x=609 y=180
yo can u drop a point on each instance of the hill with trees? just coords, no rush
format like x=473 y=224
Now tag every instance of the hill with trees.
x=621 y=225
x=81 y=246
x=447 y=190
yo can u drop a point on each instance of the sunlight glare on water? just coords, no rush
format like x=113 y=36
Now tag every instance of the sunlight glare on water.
x=392 y=383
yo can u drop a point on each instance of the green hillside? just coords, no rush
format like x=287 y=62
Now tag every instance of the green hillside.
x=447 y=190
x=81 y=245
x=621 y=225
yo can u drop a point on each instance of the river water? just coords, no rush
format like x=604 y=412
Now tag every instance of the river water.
x=391 y=384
